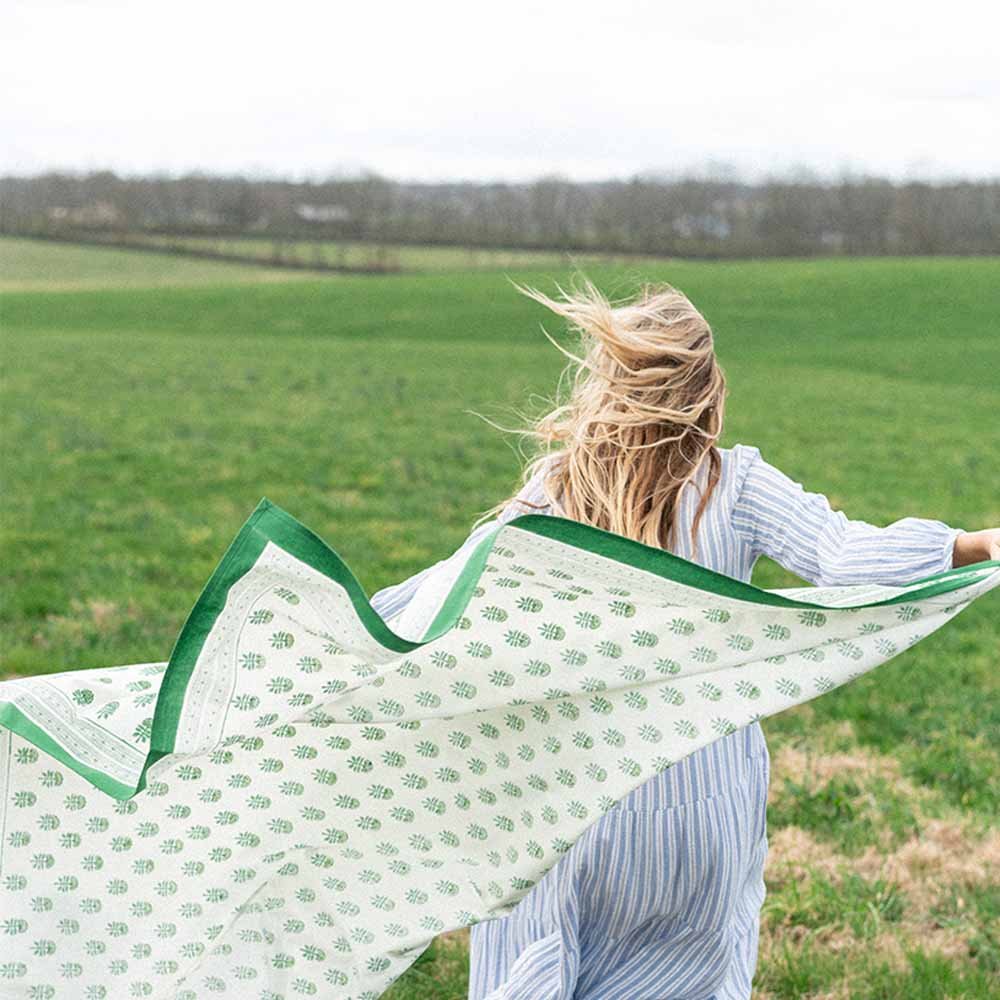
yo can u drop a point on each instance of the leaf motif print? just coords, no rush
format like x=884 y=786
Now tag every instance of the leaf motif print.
x=710 y=691
x=623 y=609
x=645 y=639
x=667 y=666
x=812 y=619
x=682 y=627
x=717 y=616
x=777 y=633
x=672 y=696
x=517 y=639
x=789 y=688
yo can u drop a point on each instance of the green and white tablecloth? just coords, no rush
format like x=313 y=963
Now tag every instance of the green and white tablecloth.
x=301 y=799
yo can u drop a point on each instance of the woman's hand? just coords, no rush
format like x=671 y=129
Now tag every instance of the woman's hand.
x=976 y=546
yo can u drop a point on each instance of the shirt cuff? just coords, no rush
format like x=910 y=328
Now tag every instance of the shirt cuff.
x=947 y=558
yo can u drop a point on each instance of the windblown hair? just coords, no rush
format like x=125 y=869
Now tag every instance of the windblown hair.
x=643 y=415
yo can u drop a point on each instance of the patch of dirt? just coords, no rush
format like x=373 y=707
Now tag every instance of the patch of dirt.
x=944 y=854
x=812 y=769
x=794 y=852
x=928 y=868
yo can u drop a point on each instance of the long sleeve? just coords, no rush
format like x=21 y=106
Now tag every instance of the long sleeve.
x=775 y=516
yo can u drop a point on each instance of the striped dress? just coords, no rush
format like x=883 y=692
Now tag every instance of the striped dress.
x=660 y=898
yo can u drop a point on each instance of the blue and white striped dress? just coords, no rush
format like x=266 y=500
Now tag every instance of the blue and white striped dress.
x=660 y=899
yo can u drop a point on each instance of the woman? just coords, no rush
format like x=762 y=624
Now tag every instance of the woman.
x=661 y=897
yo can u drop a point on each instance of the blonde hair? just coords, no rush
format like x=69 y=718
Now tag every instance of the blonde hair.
x=643 y=415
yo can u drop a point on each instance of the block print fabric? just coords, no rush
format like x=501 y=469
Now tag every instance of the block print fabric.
x=301 y=799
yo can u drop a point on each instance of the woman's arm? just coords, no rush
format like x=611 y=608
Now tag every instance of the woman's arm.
x=776 y=517
x=976 y=546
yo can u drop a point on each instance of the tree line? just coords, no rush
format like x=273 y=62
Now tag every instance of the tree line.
x=664 y=216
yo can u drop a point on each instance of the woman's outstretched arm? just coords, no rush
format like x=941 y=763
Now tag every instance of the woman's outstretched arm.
x=977 y=546
x=777 y=517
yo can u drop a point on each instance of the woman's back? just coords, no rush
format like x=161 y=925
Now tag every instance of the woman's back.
x=719 y=546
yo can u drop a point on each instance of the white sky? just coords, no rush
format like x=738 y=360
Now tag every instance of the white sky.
x=507 y=89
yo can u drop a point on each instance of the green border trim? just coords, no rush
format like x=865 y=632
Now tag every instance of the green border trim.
x=269 y=523
x=461 y=591
x=12 y=718
x=672 y=567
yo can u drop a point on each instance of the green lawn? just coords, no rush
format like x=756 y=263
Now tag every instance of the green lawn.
x=149 y=402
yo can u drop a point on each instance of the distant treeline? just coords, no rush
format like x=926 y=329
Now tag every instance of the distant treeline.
x=689 y=217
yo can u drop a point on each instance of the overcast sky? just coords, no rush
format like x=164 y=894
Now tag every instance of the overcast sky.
x=501 y=90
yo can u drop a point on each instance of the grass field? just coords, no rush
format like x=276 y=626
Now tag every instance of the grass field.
x=149 y=402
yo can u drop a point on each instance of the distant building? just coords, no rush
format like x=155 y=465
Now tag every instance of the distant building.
x=702 y=225
x=95 y=213
x=322 y=213
x=202 y=217
x=832 y=239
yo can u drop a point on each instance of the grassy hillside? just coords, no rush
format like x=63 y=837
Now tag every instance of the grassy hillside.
x=35 y=265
